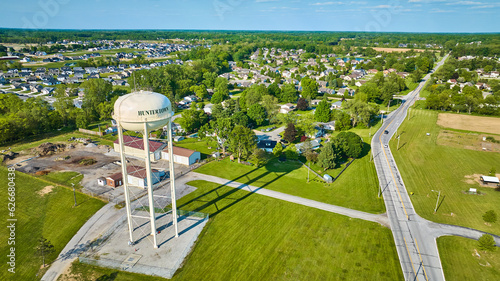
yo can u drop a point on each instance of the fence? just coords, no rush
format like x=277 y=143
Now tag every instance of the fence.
x=91 y=132
x=347 y=165
x=318 y=175
x=90 y=256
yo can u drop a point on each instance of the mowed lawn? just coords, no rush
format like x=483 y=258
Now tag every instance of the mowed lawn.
x=356 y=188
x=254 y=237
x=426 y=166
x=462 y=260
x=51 y=215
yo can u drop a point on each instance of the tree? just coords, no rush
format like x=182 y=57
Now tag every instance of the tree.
x=329 y=156
x=309 y=88
x=290 y=133
x=278 y=149
x=240 y=118
x=200 y=91
x=209 y=79
x=350 y=143
x=322 y=113
x=302 y=104
x=96 y=92
x=192 y=119
x=270 y=103
x=360 y=111
x=289 y=93
x=291 y=152
x=486 y=243
x=44 y=248
x=222 y=128
x=259 y=157
x=242 y=141
x=490 y=216
x=257 y=114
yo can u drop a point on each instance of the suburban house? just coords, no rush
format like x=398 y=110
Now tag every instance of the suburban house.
x=134 y=146
x=336 y=105
x=327 y=126
x=287 y=108
x=137 y=176
x=314 y=144
x=267 y=145
x=182 y=155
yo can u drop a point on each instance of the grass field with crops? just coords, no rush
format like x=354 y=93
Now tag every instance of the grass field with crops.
x=50 y=215
x=462 y=260
x=425 y=166
x=254 y=237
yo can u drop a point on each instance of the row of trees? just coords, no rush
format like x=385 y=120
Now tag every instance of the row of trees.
x=34 y=116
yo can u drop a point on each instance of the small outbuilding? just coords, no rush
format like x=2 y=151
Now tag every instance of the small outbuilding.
x=182 y=155
x=488 y=180
x=115 y=180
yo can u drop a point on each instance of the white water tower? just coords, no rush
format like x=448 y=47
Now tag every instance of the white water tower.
x=145 y=111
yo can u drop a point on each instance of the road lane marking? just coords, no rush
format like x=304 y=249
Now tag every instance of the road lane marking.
x=411 y=261
x=421 y=260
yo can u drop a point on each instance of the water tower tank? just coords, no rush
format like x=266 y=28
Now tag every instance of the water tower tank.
x=135 y=109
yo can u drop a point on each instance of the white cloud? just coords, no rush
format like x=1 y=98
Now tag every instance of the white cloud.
x=264 y=1
x=327 y=3
x=442 y=11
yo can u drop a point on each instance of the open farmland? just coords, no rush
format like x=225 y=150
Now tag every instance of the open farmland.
x=425 y=166
x=469 y=123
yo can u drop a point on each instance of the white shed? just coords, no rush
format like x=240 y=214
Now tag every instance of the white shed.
x=182 y=155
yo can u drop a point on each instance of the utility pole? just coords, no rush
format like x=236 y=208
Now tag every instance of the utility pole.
x=437 y=202
x=308 y=175
x=398 y=141
x=379 y=190
x=74 y=194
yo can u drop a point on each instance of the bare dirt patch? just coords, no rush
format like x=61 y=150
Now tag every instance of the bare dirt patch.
x=45 y=190
x=475 y=179
x=472 y=141
x=469 y=123
x=396 y=50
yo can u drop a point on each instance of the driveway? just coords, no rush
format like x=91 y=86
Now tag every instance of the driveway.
x=272 y=135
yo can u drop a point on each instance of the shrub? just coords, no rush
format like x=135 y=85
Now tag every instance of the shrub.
x=490 y=216
x=486 y=243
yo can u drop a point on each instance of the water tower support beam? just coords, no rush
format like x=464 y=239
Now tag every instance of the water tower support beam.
x=172 y=177
x=125 y=182
x=150 y=184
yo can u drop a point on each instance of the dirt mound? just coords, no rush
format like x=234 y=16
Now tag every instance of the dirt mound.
x=48 y=149
x=8 y=156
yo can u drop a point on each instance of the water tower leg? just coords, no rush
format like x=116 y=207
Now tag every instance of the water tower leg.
x=125 y=182
x=172 y=177
x=150 y=185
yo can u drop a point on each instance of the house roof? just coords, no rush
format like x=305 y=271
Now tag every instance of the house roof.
x=138 y=171
x=266 y=144
x=138 y=143
x=180 y=151
x=490 y=179
x=116 y=176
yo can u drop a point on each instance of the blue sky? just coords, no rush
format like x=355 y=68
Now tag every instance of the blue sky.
x=344 y=15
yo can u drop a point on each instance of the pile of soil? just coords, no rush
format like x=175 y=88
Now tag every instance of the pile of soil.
x=8 y=156
x=48 y=149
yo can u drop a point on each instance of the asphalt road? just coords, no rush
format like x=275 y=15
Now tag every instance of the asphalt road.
x=414 y=236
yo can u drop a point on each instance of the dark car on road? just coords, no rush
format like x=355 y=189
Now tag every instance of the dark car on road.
x=386 y=132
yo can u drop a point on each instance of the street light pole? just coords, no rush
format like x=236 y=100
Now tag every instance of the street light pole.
x=74 y=193
x=439 y=194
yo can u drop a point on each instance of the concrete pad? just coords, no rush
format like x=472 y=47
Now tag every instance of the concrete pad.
x=115 y=252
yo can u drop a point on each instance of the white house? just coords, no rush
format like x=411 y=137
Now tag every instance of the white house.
x=287 y=108
x=314 y=144
x=182 y=155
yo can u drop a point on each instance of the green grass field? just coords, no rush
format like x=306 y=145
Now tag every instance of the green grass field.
x=51 y=215
x=356 y=188
x=427 y=166
x=462 y=261
x=198 y=145
x=253 y=237
x=65 y=178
